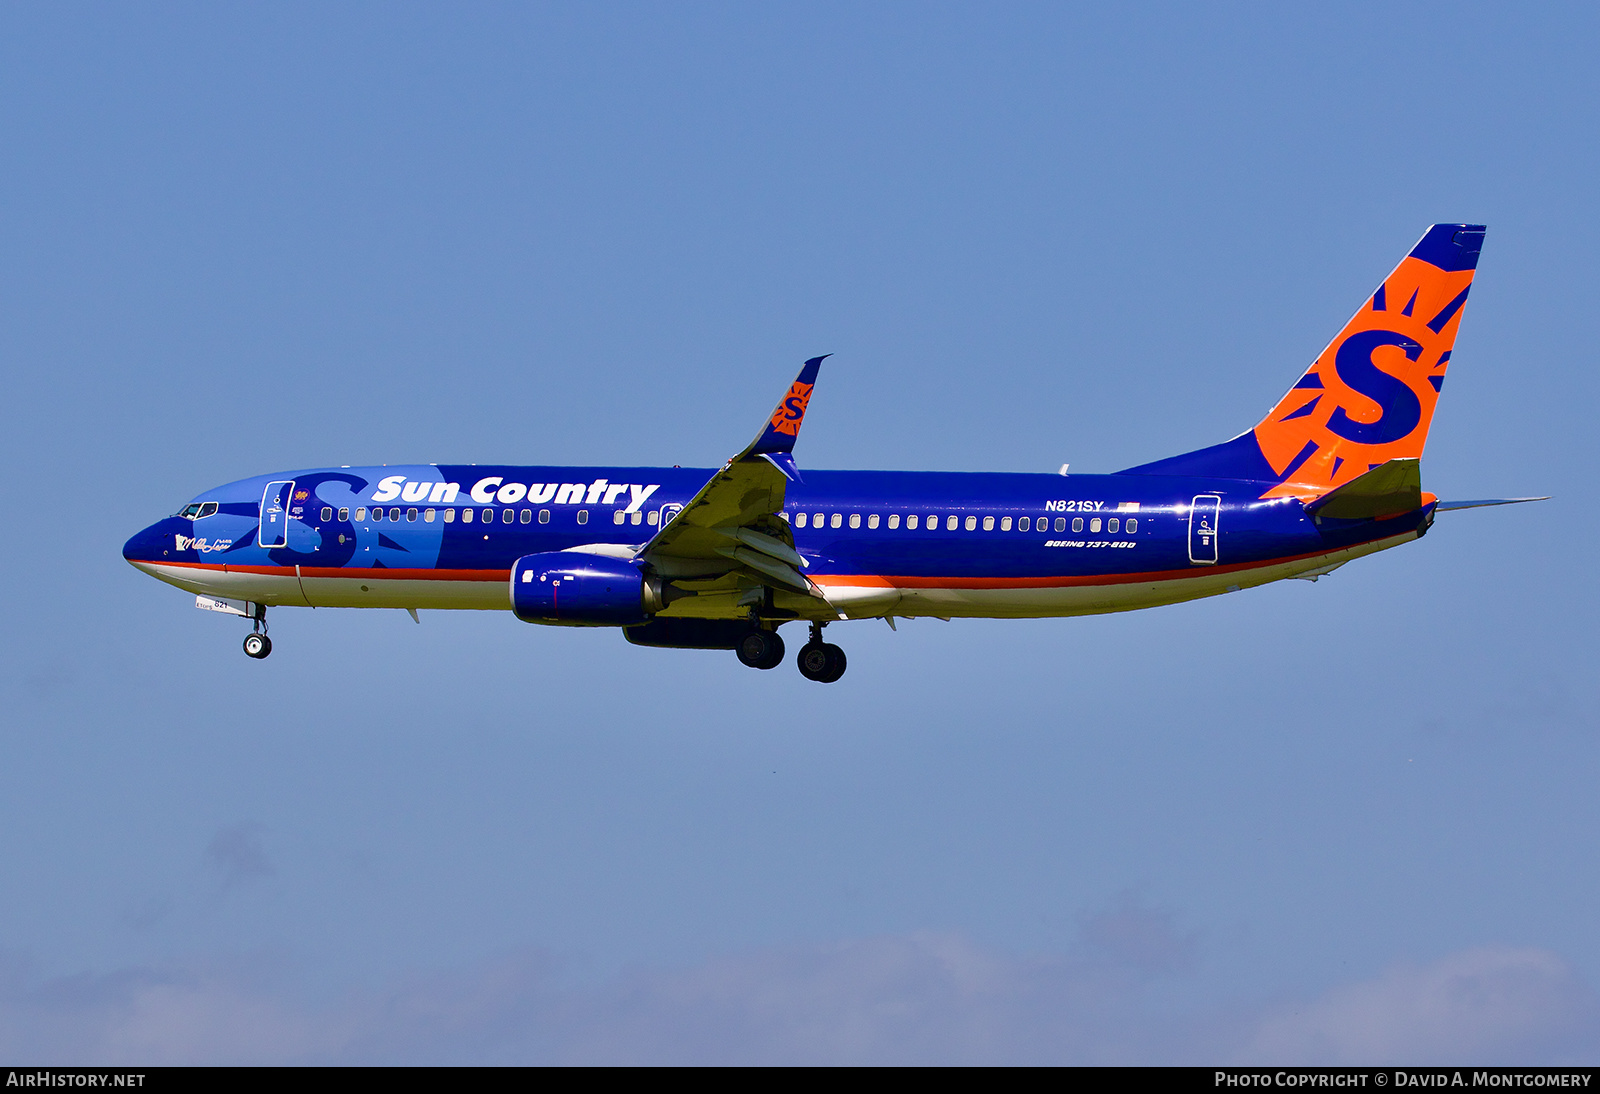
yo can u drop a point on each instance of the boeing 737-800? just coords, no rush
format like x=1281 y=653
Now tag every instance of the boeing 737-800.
x=721 y=558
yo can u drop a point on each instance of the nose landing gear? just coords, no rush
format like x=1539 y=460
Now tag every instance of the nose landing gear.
x=820 y=661
x=256 y=643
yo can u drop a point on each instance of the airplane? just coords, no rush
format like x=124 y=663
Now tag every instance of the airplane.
x=721 y=558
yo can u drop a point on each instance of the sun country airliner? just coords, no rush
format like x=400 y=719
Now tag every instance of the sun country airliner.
x=721 y=558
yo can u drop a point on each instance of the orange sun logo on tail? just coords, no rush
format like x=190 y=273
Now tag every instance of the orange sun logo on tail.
x=1370 y=396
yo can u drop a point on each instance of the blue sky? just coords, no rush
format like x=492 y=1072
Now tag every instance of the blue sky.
x=1350 y=821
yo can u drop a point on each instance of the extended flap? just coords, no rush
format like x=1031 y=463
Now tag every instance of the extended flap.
x=1387 y=490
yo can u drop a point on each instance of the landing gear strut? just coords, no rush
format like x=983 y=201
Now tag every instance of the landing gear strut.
x=820 y=661
x=256 y=643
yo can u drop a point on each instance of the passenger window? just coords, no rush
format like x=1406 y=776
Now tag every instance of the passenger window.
x=1061 y=524
x=394 y=514
x=525 y=515
x=466 y=515
x=872 y=521
x=635 y=517
x=911 y=521
x=835 y=520
x=344 y=513
x=951 y=521
x=449 y=516
x=654 y=516
x=507 y=516
x=411 y=515
x=1077 y=524
x=428 y=515
x=816 y=520
x=894 y=520
x=988 y=524
x=1024 y=523
x=361 y=513
x=544 y=516
x=618 y=517
x=1005 y=524
x=327 y=512
x=799 y=520
x=855 y=520
x=583 y=516
x=1112 y=525
x=1133 y=525
x=972 y=523
x=1094 y=524
x=377 y=515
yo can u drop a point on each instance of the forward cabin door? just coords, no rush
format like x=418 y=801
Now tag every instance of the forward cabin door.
x=275 y=514
x=1203 y=529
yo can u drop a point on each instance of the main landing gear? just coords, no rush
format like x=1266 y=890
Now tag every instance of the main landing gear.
x=761 y=649
x=256 y=643
x=820 y=661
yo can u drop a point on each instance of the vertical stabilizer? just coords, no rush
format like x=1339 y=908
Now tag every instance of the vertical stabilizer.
x=1369 y=397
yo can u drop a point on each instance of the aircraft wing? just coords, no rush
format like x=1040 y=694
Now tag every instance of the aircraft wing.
x=730 y=533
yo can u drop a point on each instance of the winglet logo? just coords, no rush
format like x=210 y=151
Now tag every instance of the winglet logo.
x=792 y=411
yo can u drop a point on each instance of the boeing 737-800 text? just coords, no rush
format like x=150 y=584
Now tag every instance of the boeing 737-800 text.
x=722 y=558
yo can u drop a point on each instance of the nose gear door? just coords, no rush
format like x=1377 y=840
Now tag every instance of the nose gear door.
x=1203 y=529
x=275 y=514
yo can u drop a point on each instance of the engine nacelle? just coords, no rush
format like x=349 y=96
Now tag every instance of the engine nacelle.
x=574 y=589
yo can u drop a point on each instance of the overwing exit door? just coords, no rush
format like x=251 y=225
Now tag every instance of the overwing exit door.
x=275 y=514
x=1203 y=529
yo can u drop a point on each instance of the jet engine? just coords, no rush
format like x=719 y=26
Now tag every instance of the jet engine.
x=574 y=589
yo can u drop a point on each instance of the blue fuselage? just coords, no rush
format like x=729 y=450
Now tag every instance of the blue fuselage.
x=888 y=542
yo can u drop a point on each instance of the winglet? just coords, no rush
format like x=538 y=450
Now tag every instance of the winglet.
x=784 y=426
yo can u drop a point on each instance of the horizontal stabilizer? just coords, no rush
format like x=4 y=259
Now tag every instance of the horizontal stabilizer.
x=1387 y=490
x=1446 y=506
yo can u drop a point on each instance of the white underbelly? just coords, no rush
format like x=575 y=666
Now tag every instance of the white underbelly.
x=294 y=590
x=873 y=597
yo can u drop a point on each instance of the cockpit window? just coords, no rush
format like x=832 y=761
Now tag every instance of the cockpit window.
x=190 y=511
x=197 y=509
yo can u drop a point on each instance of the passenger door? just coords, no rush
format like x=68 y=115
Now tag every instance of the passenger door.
x=1203 y=515
x=275 y=514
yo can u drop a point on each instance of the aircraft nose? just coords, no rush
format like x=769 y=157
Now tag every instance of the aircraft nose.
x=144 y=545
